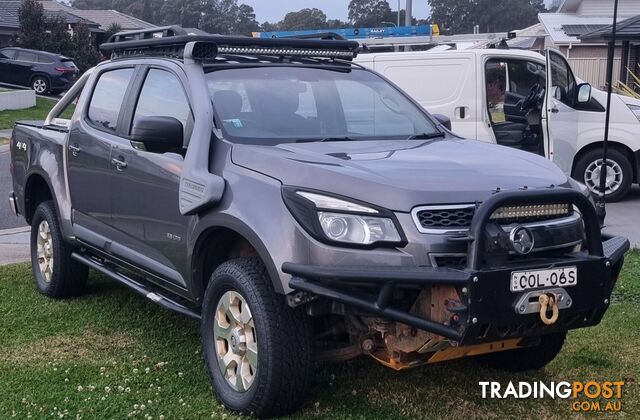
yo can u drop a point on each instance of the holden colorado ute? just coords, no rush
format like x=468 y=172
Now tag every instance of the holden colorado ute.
x=302 y=207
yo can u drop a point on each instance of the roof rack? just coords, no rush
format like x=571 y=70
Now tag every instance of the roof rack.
x=172 y=41
x=319 y=35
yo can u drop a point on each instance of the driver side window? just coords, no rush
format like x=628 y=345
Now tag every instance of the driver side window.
x=564 y=85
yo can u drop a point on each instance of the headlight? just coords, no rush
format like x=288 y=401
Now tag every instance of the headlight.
x=635 y=109
x=337 y=220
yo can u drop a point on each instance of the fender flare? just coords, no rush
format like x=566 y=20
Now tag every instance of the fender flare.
x=229 y=222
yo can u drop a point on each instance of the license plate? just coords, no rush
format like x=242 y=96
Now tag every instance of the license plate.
x=535 y=279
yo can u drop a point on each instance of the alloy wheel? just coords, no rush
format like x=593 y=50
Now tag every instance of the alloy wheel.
x=613 y=180
x=40 y=86
x=235 y=341
x=45 y=251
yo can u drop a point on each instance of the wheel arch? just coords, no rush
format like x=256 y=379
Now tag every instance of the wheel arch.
x=37 y=189
x=614 y=145
x=218 y=243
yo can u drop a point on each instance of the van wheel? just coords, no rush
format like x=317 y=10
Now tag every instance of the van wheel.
x=40 y=85
x=526 y=358
x=256 y=348
x=56 y=274
x=619 y=173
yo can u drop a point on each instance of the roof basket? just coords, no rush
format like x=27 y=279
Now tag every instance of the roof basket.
x=151 y=33
x=171 y=41
x=320 y=35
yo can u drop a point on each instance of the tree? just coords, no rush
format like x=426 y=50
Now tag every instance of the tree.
x=186 y=13
x=112 y=29
x=84 y=53
x=304 y=19
x=58 y=39
x=460 y=16
x=369 y=13
x=32 y=20
x=246 y=21
x=336 y=24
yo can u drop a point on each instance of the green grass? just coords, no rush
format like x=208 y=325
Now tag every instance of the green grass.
x=38 y=112
x=110 y=352
x=3 y=140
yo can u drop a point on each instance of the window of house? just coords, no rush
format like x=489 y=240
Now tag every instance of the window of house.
x=107 y=98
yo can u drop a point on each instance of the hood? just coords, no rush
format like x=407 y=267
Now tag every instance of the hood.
x=628 y=99
x=401 y=174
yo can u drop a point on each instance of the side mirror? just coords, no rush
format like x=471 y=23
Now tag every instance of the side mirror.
x=444 y=120
x=556 y=93
x=584 y=93
x=159 y=134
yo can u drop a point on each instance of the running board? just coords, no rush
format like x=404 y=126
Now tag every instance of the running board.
x=137 y=287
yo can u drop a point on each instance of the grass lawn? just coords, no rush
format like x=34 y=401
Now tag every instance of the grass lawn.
x=38 y=112
x=112 y=354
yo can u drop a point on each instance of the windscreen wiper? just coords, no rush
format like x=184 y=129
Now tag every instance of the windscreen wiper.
x=426 y=136
x=345 y=138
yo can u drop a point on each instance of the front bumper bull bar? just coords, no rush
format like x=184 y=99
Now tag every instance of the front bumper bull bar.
x=487 y=311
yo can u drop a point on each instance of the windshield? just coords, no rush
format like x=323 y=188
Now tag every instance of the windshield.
x=271 y=105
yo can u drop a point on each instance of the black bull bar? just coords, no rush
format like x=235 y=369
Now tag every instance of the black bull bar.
x=487 y=312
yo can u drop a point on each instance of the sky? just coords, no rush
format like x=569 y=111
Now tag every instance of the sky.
x=274 y=10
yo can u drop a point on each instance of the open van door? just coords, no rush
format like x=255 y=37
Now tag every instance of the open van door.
x=560 y=123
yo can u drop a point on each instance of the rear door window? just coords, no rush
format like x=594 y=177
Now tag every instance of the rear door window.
x=27 y=56
x=107 y=98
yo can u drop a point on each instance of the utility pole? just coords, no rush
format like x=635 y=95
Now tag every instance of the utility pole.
x=398 y=13
x=407 y=13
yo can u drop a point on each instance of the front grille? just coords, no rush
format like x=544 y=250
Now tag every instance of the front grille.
x=458 y=217
x=446 y=218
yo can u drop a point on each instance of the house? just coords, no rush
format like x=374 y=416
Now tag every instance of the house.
x=98 y=21
x=567 y=31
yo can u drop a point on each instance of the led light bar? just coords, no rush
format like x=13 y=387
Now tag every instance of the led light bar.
x=286 y=51
x=531 y=211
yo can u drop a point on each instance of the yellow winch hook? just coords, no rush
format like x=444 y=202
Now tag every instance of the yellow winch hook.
x=548 y=302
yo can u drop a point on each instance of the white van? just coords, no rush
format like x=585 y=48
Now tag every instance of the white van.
x=504 y=97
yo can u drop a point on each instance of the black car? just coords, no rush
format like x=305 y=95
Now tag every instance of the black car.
x=44 y=72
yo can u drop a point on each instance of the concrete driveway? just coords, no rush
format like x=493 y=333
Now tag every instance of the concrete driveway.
x=623 y=218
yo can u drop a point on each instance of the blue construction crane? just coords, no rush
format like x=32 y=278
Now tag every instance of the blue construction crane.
x=360 y=33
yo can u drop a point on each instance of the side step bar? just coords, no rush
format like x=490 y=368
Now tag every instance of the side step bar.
x=137 y=287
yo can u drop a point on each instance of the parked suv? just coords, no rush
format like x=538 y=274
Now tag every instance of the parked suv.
x=44 y=72
x=300 y=206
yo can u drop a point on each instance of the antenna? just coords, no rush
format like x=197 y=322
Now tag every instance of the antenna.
x=601 y=203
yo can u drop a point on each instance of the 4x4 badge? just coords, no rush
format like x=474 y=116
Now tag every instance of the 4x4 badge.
x=521 y=240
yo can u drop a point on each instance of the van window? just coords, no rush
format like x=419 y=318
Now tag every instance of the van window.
x=107 y=98
x=496 y=87
x=162 y=95
x=562 y=79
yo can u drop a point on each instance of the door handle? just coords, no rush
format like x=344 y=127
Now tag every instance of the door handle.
x=554 y=110
x=119 y=163
x=74 y=149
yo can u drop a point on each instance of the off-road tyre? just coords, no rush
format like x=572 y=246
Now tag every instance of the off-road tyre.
x=618 y=158
x=282 y=337
x=526 y=358
x=67 y=277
